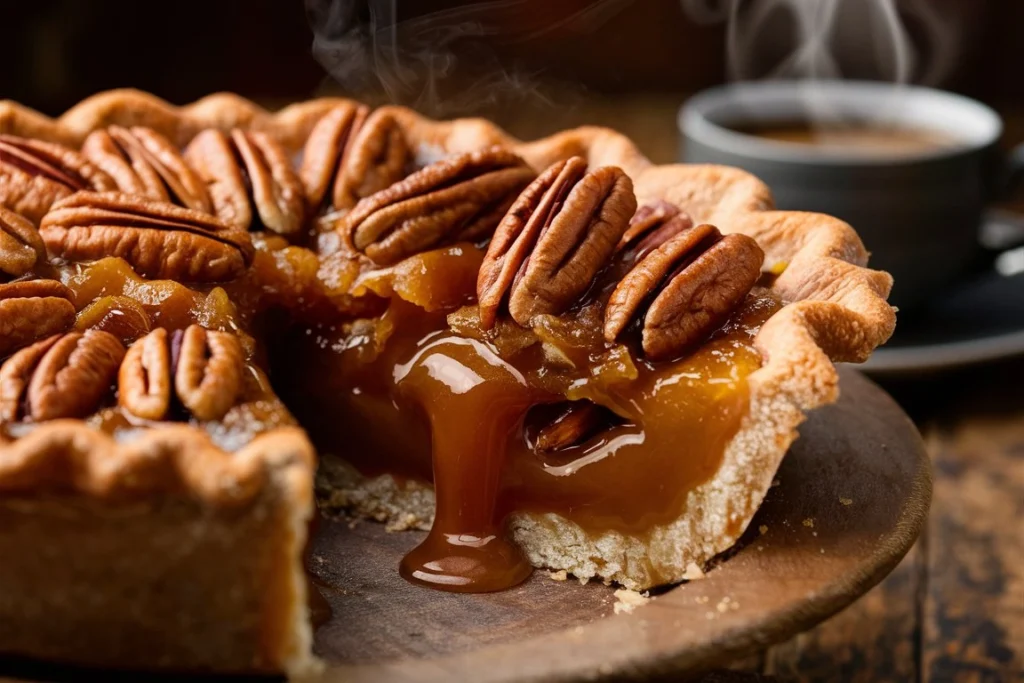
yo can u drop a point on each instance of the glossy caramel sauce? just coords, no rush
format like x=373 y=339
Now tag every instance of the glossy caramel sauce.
x=419 y=394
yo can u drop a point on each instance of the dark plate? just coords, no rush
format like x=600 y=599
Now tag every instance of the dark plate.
x=980 y=320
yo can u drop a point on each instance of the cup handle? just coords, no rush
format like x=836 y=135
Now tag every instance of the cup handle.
x=1004 y=229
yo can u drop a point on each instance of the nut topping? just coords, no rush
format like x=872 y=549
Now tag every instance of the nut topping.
x=35 y=174
x=457 y=199
x=204 y=366
x=63 y=376
x=379 y=158
x=693 y=280
x=208 y=374
x=21 y=247
x=559 y=233
x=328 y=153
x=250 y=179
x=652 y=225
x=577 y=421
x=31 y=310
x=144 y=381
x=159 y=240
x=142 y=162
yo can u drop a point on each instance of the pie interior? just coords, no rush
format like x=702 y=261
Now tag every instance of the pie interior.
x=550 y=354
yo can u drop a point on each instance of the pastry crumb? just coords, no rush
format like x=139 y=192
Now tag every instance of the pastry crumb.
x=627 y=600
x=809 y=522
x=693 y=572
x=763 y=529
x=402 y=523
x=560 y=575
x=846 y=501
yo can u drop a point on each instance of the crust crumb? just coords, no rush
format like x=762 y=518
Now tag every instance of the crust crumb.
x=726 y=604
x=560 y=575
x=846 y=501
x=693 y=572
x=809 y=522
x=627 y=600
x=763 y=529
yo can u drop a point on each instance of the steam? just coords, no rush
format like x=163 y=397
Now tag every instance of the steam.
x=829 y=39
x=444 y=63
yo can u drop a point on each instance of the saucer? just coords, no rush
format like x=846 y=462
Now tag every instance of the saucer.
x=976 y=321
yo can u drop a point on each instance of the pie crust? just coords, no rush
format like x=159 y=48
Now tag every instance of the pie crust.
x=168 y=552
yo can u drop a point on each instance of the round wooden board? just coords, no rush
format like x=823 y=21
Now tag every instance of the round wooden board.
x=851 y=497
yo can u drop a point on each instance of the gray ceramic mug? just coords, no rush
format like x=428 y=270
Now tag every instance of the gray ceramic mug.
x=918 y=213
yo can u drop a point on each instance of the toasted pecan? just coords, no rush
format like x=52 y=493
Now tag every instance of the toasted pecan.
x=554 y=239
x=158 y=239
x=461 y=198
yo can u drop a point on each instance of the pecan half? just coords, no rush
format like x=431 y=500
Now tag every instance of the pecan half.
x=21 y=247
x=250 y=180
x=144 y=381
x=31 y=310
x=208 y=374
x=692 y=280
x=63 y=376
x=327 y=154
x=205 y=368
x=577 y=421
x=144 y=163
x=456 y=199
x=35 y=174
x=380 y=156
x=158 y=239
x=559 y=233
x=652 y=225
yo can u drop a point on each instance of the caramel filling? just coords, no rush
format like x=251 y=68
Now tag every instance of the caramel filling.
x=424 y=395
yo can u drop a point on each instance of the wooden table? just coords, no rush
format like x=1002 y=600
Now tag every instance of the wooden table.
x=954 y=608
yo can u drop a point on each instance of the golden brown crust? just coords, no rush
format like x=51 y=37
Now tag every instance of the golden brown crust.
x=68 y=455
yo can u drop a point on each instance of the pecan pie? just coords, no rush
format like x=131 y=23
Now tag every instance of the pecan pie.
x=548 y=354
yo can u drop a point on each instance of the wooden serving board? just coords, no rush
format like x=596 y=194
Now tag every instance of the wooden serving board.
x=851 y=497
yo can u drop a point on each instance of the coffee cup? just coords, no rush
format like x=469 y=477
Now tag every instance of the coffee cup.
x=911 y=168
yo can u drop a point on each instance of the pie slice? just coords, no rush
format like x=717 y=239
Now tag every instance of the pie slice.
x=548 y=354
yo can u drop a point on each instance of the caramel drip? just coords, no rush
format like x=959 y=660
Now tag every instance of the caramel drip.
x=466 y=549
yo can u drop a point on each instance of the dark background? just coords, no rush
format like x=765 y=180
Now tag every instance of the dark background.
x=55 y=52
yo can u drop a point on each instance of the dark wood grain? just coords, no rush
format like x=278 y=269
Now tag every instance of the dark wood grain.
x=851 y=497
x=973 y=617
x=874 y=640
x=954 y=608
